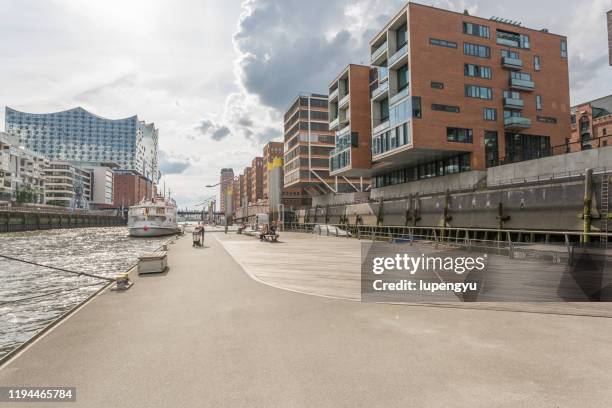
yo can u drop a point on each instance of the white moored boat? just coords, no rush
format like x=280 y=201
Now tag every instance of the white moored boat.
x=153 y=218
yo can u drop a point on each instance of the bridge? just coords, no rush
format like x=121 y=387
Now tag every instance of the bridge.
x=199 y=215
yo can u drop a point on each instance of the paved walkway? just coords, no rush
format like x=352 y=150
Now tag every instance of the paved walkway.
x=207 y=335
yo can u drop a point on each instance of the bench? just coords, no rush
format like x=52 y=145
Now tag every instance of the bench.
x=269 y=237
x=156 y=262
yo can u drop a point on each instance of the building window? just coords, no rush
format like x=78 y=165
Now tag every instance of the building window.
x=490 y=114
x=478 y=71
x=563 y=49
x=510 y=54
x=491 y=148
x=442 y=43
x=384 y=110
x=459 y=135
x=520 y=147
x=402 y=78
x=476 y=30
x=480 y=92
x=444 y=108
x=437 y=85
x=523 y=76
x=476 y=50
x=401 y=36
x=416 y=107
x=537 y=64
x=538 y=102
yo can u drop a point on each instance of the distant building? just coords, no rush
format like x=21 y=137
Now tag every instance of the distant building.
x=130 y=188
x=257 y=171
x=273 y=174
x=226 y=179
x=66 y=184
x=102 y=185
x=82 y=138
x=22 y=172
x=246 y=188
x=308 y=142
x=591 y=125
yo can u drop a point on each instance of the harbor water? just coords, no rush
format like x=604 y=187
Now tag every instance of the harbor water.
x=31 y=297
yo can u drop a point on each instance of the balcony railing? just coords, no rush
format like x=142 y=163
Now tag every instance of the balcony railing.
x=517 y=122
x=399 y=96
x=523 y=84
x=382 y=88
x=381 y=127
x=339 y=159
x=513 y=103
x=333 y=125
x=398 y=55
x=379 y=51
x=333 y=95
x=343 y=101
x=512 y=63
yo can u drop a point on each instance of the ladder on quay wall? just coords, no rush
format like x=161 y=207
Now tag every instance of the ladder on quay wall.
x=605 y=184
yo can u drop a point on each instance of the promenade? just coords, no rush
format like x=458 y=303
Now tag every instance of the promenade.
x=210 y=333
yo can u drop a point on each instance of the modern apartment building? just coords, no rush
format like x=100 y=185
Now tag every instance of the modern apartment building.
x=257 y=174
x=272 y=159
x=67 y=185
x=246 y=187
x=226 y=180
x=102 y=181
x=82 y=138
x=350 y=119
x=22 y=172
x=591 y=125
x=457 y=92
x=308 y=143
x=235 y=195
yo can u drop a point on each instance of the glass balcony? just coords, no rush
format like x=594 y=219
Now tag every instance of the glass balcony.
x=398 y=55
x=333 y=125
x=380 y=91
x=513 y=103
x=522 y=84
x=334 y=95
x=381 y=127
x=517 y=123
x=379 y=52
x=512 y=63
x=399 y=96
x=339 y=159
x=343 y=101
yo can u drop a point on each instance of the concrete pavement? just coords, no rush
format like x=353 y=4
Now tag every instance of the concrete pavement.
x=207 y=335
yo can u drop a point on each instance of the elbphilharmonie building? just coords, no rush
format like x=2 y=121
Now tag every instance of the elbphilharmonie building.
x=81 y=137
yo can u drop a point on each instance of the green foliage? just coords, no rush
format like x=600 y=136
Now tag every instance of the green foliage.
x=26 y=195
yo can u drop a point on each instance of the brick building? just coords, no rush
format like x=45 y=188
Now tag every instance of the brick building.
x=457 y=92
x=257 y=171
x=591 y=125
x=246 y=187
x=130 y=188
x=226 y=179
x=272 y=155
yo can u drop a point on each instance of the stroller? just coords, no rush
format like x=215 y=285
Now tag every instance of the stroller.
x=197 y=237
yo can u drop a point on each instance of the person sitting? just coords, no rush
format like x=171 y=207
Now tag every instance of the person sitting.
x=264 y=232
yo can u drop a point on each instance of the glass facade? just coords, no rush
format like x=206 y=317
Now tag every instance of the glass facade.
x=79 y=136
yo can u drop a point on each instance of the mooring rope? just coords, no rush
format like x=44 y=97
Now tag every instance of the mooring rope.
x=58 y=269
x=10 y=302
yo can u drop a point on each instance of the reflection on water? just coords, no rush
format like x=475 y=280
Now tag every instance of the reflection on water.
x=101 y=251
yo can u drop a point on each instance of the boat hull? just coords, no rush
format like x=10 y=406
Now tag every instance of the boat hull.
x=152 y=231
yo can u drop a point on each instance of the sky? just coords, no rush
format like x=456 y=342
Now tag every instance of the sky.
x=216 y=76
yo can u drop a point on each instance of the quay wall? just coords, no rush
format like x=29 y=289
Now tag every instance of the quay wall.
x=15 y=221
x=550 y=206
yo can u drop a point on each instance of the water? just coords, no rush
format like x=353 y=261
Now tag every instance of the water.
x=100 y=251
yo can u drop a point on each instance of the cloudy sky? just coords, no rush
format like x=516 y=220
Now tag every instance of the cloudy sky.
x=215 y=76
